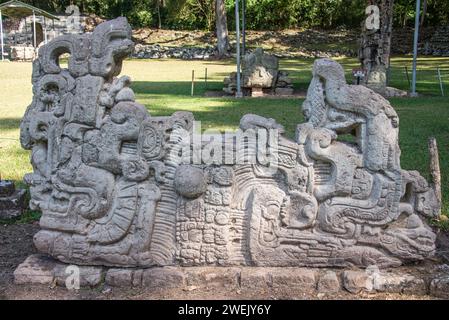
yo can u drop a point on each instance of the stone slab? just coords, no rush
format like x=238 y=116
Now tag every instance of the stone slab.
x=329 y=283
x=36 y=269
x=41 y=269
x=439 y=287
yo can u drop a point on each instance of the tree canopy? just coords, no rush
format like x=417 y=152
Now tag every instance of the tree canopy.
x=260 y=14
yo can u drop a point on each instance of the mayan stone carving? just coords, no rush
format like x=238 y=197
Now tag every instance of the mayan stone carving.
x=260 y=71
x=119 y=187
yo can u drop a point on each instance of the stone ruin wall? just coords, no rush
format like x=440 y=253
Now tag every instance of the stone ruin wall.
x=113 y=190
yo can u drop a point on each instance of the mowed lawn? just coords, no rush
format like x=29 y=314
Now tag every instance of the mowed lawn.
x=163 y=86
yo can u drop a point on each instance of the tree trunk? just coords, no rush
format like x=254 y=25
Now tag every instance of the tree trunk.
x=158 y=10
x=374 y=53
x=424 y=11
x=221 y=29
x=435 y=169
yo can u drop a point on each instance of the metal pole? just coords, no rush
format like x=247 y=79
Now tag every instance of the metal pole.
x=243 y=27
x=238 y=94
x=205 y=78
x=1 y=34
x=415 y=47
x=34 y=29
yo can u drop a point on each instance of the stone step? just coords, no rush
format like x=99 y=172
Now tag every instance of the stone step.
x=41 y=269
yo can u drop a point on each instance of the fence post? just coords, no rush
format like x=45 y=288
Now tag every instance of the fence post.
x=193 y=83
x=205 y=78
x=441 y=82
x=408 y=78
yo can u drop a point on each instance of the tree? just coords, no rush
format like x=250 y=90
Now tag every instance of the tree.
x=221 y=27
x=424 y=12
x=375 y=44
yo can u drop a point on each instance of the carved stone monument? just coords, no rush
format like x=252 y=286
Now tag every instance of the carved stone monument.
x=114 y=190
x=260 y=71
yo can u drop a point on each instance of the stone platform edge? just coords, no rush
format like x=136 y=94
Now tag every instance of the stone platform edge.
x=41 y=269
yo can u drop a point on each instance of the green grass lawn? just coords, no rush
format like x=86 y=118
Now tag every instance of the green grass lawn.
x=163 y=86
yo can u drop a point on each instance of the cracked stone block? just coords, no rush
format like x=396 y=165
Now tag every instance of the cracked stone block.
x=89 y=276
x=293 y=278
x=329 y=283
x=357 y=281
x=396 y=283
x=117 y=277
x=36 y=269
x=163 y=278
x=255 y=278
x=439 y=286
x=213 y=277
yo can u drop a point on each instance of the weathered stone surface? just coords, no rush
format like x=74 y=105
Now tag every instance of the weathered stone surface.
x=213 y=277
x=163 y=278
x=116 y=277
x=357 y=281
x=12 y=201
x=118 y=187
x=394 y=92
x=260 y=71
x=89 y=276
x=256 y=278
x=36 y=269
x=293 y=278
x=439 y=286
x=7 y=187
x=40 y=269
x=329 y=283
x=399 y=283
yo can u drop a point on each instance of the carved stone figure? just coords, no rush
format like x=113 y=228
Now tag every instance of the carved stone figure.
x=116 y=189
x=260 y=71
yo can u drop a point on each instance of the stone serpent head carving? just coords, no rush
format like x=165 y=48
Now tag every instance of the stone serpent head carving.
x=112 y=191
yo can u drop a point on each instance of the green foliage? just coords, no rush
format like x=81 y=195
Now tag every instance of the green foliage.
x=189 y=14
x=260 y=14
x=142 y=18
x=281 y=14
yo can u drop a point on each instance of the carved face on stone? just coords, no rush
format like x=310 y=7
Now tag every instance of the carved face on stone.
x=329 y=70
x=114 y=190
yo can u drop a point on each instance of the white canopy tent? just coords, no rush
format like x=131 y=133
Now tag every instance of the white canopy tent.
x=18 y=9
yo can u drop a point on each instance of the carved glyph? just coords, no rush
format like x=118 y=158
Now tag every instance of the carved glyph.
x=114 y=191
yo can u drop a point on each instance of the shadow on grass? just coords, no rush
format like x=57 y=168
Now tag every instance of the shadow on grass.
x=9 y=123
x=174 y=88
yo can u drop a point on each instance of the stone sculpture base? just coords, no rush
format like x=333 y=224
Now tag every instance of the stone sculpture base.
x=256 y=92
x=41 y=269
